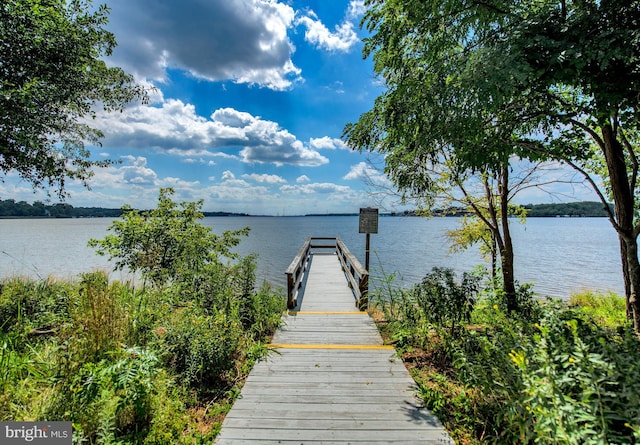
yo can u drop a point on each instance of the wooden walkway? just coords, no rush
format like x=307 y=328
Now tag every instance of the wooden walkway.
x=329 y=379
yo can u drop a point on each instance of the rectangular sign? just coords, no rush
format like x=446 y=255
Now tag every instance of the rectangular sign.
x=35 y=433
x=368 y=220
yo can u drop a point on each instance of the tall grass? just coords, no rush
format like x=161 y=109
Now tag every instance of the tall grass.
x=607 y=309
x=129 y=365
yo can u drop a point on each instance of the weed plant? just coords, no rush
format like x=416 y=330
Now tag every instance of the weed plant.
x=555 y=372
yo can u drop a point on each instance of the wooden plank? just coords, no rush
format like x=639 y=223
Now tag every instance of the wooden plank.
x=323 y=424
x=370 y=441
x=355 y=435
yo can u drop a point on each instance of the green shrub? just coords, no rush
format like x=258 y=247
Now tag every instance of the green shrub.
x=111 y=400
x=199 y=348
x=580 y=383
x=544 y=374
x=166 y=244
x=444 y=302
x=130 y=365
x=262 y=312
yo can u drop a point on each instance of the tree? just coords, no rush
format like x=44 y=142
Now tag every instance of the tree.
x=490 y=79
x=426 y=118
x=167 y=244
x=579 y=62
x=52 y=78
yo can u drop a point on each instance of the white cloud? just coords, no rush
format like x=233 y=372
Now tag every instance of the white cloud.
x=228 y=176
x=327 y=143
x=319 y=187
x=283 y=152
x=356 y=9
x=241 y=40
x=175 y=127
x=268 y=179
x=342 y=39
x=303 y=178
x=367 y=173
x=138 y=161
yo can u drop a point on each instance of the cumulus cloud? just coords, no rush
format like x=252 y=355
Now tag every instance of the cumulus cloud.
x=327 y=143
x=356 y=9
x=366 y=172
x=302 y=178
x=136 y=171
x=228 y=176
x=341 y=39
x=133 y=171
x=175 y=127
x=268 y=179
x=242 y=40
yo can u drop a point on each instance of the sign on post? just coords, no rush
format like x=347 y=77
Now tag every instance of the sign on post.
x=368 y=220
x=368 y=224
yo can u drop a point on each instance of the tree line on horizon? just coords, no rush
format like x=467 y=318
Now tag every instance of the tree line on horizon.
x=10 y=208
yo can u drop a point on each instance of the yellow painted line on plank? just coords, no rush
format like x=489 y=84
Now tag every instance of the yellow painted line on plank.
x=326 y=346
x=327 y=313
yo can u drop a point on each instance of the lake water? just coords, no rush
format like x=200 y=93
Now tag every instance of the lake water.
x=559 y=255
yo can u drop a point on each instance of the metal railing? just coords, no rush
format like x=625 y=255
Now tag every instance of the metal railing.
x=357 y=276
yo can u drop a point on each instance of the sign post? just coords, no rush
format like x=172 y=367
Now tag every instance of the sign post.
x=368 y=224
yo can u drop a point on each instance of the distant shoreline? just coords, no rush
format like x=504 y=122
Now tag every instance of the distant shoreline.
x=9 y=209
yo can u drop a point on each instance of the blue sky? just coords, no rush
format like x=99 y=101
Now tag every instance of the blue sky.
x=250 y=103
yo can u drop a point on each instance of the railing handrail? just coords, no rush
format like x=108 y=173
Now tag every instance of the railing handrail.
x=357 y=275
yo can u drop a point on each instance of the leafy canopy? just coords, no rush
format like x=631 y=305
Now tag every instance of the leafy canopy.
x=52 y=78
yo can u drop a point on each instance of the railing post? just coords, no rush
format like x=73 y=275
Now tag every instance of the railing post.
x=363 y=285
x=291 y=303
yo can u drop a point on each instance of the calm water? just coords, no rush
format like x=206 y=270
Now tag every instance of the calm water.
x=559 y=255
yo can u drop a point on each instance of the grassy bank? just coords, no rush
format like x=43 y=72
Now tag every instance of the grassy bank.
x=554 y=373
x=127 y=365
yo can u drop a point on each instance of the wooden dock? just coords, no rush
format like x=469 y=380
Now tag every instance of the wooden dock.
x=329 y=379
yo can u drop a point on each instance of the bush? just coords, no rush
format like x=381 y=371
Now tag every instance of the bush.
x=580 y=382
x=111 y=400
x=166 y=244
x=201 y=349
x=552 y=372
x=444 y=302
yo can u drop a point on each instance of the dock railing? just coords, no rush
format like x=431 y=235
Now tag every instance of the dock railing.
x=357 y=276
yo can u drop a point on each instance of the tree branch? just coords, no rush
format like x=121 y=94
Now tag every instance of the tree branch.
x=595 y=187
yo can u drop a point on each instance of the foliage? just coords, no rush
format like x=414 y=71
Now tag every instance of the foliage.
x=579 y=383
x=199 y=348
x=51 y=77
x=26 y=305
x=437 y=139
x=151 y=365
x=444 y=302
x=167 y=244
x=471 y=86
x=21 y=209
x=553 y=374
